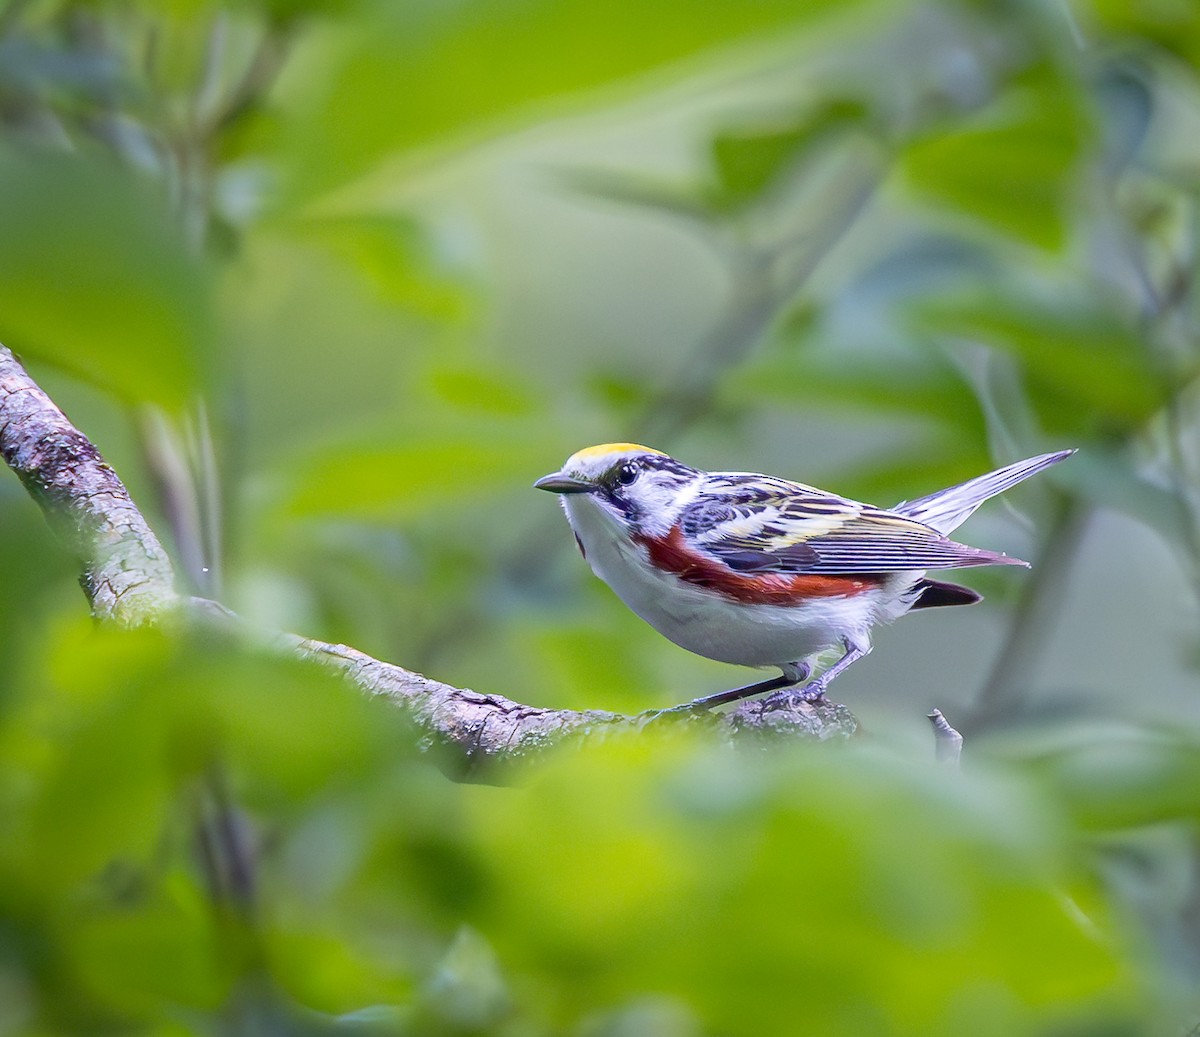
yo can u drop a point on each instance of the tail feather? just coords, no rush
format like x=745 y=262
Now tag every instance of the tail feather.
x=935 y=594
x=948 y=509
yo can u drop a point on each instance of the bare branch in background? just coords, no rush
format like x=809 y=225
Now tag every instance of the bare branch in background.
x=759 y=292
x=1004 y=692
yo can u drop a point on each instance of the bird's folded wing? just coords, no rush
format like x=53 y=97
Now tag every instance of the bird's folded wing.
x=821 y=533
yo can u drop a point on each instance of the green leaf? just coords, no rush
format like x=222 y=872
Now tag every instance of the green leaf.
x=904 y=384
x=1173 y=25
x=678 y=198
x=387 y=482
x=326 y=971
x=1012 y=169
x=100 y=754
x=481 y=391
x=149 y=958
x=467 y=990
x=1112 y=479
x=835 y=880
x=1115 y=777
x=750 y=160
x=1083 y=369
x=95 y=277
x=419 y=74
x=392 y=256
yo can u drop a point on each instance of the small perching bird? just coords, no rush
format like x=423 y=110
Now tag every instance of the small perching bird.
x=760 y=571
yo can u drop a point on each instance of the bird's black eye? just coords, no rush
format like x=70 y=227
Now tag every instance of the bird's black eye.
x=626 y=473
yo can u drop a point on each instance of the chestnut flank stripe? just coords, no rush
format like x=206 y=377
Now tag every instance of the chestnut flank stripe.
x=673 y=554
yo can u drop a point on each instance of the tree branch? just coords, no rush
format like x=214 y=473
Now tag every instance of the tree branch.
x=128 y=580
x=126 y=575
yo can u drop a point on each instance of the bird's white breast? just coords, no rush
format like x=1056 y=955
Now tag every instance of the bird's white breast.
x=709 y=624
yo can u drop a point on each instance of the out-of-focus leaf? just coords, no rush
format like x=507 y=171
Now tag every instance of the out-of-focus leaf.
x=467 y=989
x=101 y=754
x=1083 y=369
x=837 y=881
x=1111 y=481
x=144 y=959
x=1012 y=170
x=1172 y=24
x=419 y=74
x=297 y=9
x=679 y=198
x=626 y=394
x=320 y=348
x=95 y=278
x=595 y=666
x=646 y=1017
x=909 y=385
x=1113 y=777
x=292 y=730
x=36 y=572
x=389 y=482
x=391 y=255
x=482 y=391
x=328 y=974
x=749 y=161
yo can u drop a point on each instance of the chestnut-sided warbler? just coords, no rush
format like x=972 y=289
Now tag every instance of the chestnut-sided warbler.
x=760 y=571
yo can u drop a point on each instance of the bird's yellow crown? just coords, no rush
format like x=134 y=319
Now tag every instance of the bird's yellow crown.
x=613 y=448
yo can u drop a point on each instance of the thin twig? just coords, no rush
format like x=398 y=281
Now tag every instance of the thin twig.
x=259 y=75
x=947 y=742
x=757 y=295
x=205 y=99
x=208 y=478
x=178 y=495
x=1005 y=690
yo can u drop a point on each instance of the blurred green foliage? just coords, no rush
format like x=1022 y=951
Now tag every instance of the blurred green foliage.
x=330 y=283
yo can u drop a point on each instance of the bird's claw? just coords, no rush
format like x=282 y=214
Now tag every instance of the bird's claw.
x=813 y=691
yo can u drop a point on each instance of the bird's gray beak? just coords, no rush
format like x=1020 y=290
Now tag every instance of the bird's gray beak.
x=559 y=483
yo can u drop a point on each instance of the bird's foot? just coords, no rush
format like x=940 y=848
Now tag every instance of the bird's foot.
x=813 y=691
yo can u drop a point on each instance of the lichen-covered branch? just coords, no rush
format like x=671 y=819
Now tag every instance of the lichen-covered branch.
x=128 y=580
x=126 y=574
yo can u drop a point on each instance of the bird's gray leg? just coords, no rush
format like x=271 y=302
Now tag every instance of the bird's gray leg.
x=815 y=689
x=794 y=674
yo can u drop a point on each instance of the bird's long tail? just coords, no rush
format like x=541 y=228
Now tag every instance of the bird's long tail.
x=948 y=509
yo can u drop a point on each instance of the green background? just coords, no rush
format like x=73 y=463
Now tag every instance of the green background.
x=331 y=283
